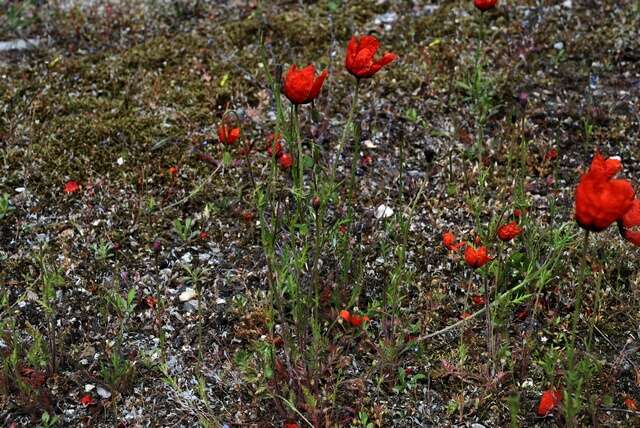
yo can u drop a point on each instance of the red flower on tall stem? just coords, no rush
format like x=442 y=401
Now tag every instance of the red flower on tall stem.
x=601 y=199
x=301 y=85
x=476 y=258
x=508 y=231
x=274 y=145
x=228 y=135
x=485 y=5
x=360 y=52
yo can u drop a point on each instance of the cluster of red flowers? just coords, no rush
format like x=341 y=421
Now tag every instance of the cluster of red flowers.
x=302 y=85
x=602 y=200
x=478 y=257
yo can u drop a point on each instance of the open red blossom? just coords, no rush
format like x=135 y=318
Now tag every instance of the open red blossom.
x=285 y=161
x=273 y=145
x=172 y=170
x=476 y=258
x=301 y=85
x=86 y=400
x=290 y=425
x=601 y=199
x=629 y=225
x=449 y=241
x=353 y=319
x=508 y=231
x=548 y=401
x=485 y=5
x=360 y=53
x=228 y=135
x=71 y=187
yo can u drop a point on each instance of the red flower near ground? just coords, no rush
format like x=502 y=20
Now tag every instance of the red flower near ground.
x=247 y=215
x=86 y=400
x=551 y=155
x=478 y=300
x=485 y=5
x=360 y=53
x=151 y=302
x=71 y=187
x=508 y=231
x=290 y=425
x=301 y=85
x=273 y=144
x=172 y=171
x=548 y=401
x=228 y=135
x=449 y=241
x=629 y=225
x=476 y=258
x=354 y=320
x=203 y=235
x=285 y=161
x=601 y=199
x=631 y=404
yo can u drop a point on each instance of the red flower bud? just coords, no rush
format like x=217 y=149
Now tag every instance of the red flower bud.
x=485 y=5
x=285 y=161
x=227 y=135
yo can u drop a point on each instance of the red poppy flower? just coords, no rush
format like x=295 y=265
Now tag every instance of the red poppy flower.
x=354 y=320
x=508 y=231
x=172 y=170
x=301 y=85
x=551 y=155
x=86 y=400
x=631 y=404
x=151 y=302
x=204 y=235
x=360 y=53
x=273 y=144
x=485 y=5
x=548 y=401
x=478 y=300
x=247 y=215
x=228 y=135
x=601 y=199
x=476 y=258
x=71 y=187
x=629 y=226
x=290 y=425
x=449 y=241
x=285 y=161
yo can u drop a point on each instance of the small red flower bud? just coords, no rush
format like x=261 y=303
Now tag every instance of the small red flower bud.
x=71 y=187
x=228 y=135
x=485 y=5
x=285 y=161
